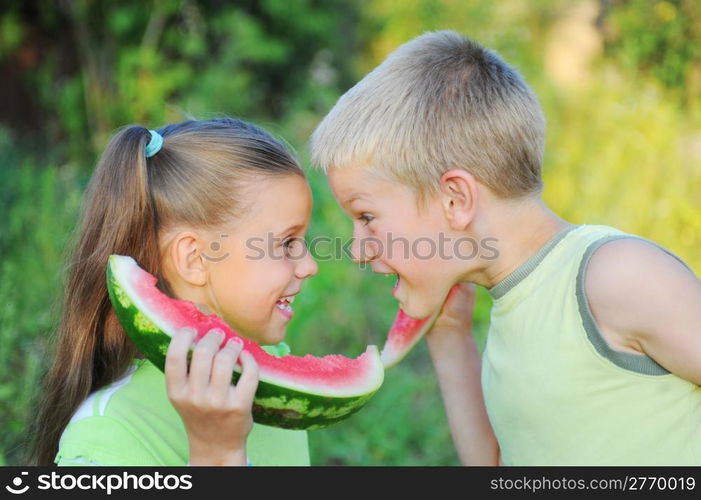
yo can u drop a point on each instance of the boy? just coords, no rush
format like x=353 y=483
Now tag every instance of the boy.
x=593 y=354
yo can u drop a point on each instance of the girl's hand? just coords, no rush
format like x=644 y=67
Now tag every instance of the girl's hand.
x=456 y=314
x=216 y=414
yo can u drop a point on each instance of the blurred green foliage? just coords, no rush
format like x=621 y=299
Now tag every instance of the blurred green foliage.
x=659 y=38
x=154 y=62
x=624 y=148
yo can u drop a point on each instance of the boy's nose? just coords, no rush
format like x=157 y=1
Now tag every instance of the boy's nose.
x=364 y=249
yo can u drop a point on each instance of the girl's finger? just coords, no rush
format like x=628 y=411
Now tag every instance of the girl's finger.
x=223 y=367
x=176 y=358
x=201 y=364
x=248 y=383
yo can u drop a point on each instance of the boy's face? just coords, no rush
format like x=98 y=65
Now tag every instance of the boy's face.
x=394 y=236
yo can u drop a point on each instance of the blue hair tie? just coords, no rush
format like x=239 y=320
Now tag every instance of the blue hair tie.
x=155 y=144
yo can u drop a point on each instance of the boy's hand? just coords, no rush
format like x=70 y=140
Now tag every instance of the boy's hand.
x=216 y=414
x=457 y=363
x=456 y=314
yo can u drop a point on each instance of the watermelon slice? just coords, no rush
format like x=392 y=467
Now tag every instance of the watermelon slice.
x=404 y=334
x=293 y=392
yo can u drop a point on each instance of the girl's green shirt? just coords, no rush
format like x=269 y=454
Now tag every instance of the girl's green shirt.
x=132 y=422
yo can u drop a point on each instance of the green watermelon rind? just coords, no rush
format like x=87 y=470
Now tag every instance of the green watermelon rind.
x=273 y=405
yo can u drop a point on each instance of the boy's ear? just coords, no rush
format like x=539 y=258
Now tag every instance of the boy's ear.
x=459 y=198
x=187 y=258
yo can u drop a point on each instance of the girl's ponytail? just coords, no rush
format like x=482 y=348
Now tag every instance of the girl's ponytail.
x=91 y=349
x=131 y=201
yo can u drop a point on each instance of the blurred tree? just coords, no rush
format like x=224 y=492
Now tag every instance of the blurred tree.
x=661 y=39
x=97 y=65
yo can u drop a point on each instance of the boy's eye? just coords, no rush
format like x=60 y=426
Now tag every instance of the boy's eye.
x=366 y=218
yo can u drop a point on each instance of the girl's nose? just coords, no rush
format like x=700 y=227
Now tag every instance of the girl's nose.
x=306 y=267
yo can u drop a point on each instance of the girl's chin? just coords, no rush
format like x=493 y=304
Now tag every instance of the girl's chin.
x=270 y=334
x=274 y=336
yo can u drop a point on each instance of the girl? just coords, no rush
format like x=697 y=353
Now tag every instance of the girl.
x=185 y=201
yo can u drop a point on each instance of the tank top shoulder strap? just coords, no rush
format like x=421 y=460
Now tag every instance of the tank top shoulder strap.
x=639 y=363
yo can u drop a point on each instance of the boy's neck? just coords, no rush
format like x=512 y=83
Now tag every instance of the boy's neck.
x=520 y=229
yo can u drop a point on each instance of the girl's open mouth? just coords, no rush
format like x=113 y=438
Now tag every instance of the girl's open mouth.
x=284 y=305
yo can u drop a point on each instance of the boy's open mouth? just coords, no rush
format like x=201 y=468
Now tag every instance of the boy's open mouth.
x=396 y=283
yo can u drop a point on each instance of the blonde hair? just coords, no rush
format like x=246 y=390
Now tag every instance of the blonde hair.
x=439 y=102
x=196 y=180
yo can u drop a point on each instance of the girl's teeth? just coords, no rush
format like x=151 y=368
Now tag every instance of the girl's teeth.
x=283 y=305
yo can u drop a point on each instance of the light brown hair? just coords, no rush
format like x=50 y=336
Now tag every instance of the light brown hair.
x=439 y=102
x=196 y=180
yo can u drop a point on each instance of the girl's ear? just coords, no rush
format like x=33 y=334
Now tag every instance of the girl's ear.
x=186 y=257
x=459 y=198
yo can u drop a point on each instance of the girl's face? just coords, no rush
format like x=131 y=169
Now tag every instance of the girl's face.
x=255 y=267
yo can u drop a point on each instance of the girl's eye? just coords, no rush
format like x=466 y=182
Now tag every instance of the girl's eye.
x=366 y=218
x=290 y=242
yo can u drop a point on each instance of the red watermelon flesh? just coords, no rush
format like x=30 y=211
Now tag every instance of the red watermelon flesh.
x=405 y=333
x=336 y=374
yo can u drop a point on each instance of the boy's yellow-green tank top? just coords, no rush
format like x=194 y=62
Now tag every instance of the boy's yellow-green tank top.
x=557 y=393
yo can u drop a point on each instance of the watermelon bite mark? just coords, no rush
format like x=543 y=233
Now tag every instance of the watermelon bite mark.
x=404 y=334
x=295 y=392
